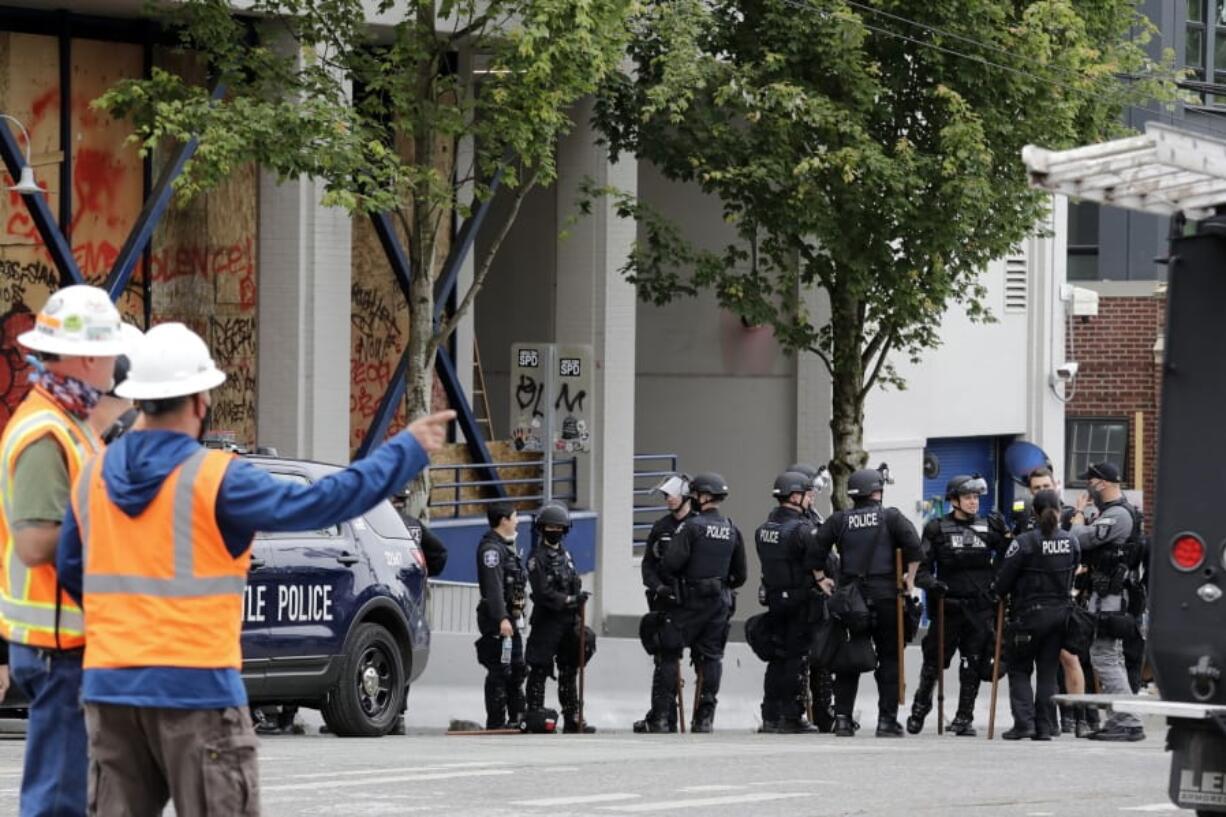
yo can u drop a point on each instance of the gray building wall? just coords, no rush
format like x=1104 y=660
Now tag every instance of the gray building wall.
x=716 y=393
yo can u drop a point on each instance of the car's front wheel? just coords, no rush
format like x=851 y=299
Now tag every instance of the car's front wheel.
x=367 y=699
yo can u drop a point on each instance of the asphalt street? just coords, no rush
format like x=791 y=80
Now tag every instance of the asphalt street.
x=730 y=773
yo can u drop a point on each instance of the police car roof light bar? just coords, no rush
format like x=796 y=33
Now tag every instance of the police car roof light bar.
x=1164 y=171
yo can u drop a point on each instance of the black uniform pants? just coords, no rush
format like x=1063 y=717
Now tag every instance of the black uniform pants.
x=884 y=632
x=969 y=631
x=664 y=707
x=554 y=638
x=704 y=627
x=504 y=683
x=783 y=685
x=1042 y=631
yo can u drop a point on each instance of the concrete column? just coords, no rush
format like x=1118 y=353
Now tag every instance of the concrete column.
x=302 y=399
x=595 y=305
x=1047 y=264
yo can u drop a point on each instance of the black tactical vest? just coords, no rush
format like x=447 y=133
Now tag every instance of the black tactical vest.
x=1047 y=574
x=865 y=545
x=782 y=559
x=711 y=548
x=963 y=547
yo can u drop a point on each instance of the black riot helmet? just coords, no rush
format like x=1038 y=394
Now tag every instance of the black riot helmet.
x=709 y=483
x=864 y=483
x=553 y=514
x=791 y=482
x=809 y=471
x=964 y=484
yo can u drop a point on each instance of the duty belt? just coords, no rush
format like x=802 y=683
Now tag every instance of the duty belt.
x=705 y=587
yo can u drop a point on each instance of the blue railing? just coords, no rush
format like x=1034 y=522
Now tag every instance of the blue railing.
x=649 y=470
x=565 y=485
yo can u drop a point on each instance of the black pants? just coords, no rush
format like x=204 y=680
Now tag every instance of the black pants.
x=884 y=632
x=783 y=685
x=554 y=638
x=504 y=683
x=1032 y=708
x=969 y=631
x=704 y=627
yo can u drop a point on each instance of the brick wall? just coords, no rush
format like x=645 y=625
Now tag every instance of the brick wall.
x=1118 y=377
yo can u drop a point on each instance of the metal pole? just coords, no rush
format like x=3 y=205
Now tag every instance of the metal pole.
x=551 y=363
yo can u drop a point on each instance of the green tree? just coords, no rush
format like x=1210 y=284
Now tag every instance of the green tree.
x=313 y=90
x=869 y=149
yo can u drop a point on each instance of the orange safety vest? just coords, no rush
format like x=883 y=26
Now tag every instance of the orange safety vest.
x=161 y=589
x=29 y=613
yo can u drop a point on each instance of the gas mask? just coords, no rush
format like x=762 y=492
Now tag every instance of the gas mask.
x=552 y=537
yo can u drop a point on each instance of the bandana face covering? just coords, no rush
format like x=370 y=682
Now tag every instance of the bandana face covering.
x=76 y=396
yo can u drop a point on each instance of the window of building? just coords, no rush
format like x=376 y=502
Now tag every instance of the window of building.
x=1088 y=440
x=1204 y=49
x=1083 y=240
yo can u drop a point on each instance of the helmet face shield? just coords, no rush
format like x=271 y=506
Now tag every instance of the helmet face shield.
x=974 y=486
x=673 y=486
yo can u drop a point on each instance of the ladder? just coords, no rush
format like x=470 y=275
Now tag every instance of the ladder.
x=480 y=399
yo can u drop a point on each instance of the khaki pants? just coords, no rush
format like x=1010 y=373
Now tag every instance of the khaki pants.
x=204 y=760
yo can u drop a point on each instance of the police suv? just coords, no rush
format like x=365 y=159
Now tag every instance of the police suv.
x=335 y=619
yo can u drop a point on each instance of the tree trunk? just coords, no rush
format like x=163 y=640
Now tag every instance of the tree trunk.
x=419 y=388
x=847 y=404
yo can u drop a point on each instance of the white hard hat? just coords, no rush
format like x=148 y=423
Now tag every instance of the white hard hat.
x=169 y=361
x=77 y=321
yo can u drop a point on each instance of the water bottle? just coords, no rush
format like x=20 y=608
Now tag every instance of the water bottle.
x=506 y=650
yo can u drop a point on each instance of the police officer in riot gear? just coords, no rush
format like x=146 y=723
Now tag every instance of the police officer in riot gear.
x=788 y=592
x=1037 y=575
x=867 y=537
x=661 y=601
x=821 y=678
x=557 y=595
x=959 y=551
x=707 y=559
x=502 y=581
x=1105 y=546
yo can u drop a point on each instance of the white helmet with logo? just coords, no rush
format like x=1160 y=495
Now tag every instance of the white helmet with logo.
x=77 y=321
x=170 y=361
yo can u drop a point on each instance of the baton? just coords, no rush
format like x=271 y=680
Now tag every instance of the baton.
x=941 y=664
x=1000 y=626
x=902 y=646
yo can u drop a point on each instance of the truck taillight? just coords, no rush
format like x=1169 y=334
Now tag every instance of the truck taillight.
x=1187 y=552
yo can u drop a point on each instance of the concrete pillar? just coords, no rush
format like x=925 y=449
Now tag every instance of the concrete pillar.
x=595 y=305
x=1046 y=266
x=302 y=399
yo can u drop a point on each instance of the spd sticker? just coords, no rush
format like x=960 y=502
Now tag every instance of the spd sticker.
x=1014 y=547
x=491 y=558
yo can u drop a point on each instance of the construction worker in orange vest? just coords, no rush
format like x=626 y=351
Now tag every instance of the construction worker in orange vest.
x=75 y=340
x=156 y=547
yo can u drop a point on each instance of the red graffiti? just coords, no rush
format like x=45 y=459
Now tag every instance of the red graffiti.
x=14 y=371
x=97 y=184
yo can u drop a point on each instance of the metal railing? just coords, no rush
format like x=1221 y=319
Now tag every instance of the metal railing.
x=565 y=475
x=649 y=470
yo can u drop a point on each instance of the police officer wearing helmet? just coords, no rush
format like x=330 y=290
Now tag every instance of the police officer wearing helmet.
x=1037 y=575
x=867 y=536
x=557 y=596
x=707 y=559
x=503 y=583
x=821 y=677
x=661 y=636
x=959 y=551
x=1105 y=546
x=788 y=592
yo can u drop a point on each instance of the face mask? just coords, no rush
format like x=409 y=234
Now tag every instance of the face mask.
x=551 y=537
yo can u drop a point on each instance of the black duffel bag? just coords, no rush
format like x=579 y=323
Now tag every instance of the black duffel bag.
x=848 y=607
x=1079 y=631
x=761 y=637
x=855 y=653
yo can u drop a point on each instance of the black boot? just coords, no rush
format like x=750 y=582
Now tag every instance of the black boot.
x=922 y=704
x=1019 y=732
x=889 y=727
x=844 y=726
x=573 y=726
x=1067 y=719
x=704 y=716
x=568 y=697
x=968 y=691
x=495 y=700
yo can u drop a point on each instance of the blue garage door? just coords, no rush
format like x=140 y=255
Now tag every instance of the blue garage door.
x=961 y=455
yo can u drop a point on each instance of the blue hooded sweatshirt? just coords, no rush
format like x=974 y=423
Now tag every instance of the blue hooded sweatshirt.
x=250 y=500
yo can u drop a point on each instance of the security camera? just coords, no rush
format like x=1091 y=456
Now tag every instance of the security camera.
x=1067 y=371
